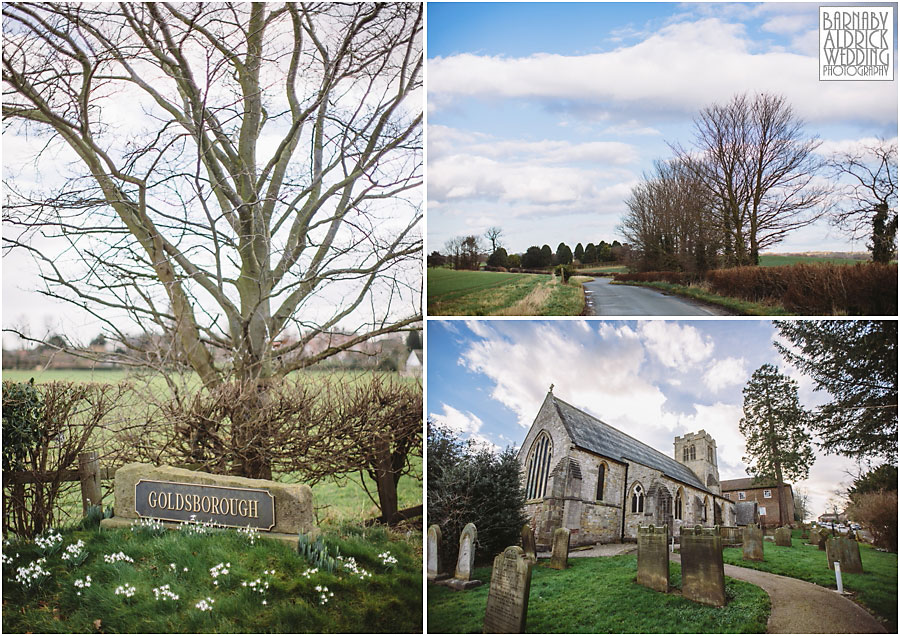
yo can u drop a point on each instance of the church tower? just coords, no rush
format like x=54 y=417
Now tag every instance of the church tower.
x=697 y=451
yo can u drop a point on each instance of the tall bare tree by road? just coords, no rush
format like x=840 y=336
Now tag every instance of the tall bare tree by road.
x=231 y=171
x=868 y=201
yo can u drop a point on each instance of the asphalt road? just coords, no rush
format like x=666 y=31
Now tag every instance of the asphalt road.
x=604 y=299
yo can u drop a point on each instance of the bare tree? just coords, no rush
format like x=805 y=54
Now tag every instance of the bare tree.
x=493 y=234
x=753 y=156
x=237 y=170
x=869 y=198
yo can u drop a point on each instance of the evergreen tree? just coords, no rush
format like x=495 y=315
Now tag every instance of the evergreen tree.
x=546 y=256
x=856 y=362
x=778 y=447
x=579 y=253
x=590 y=254
x=533 y=257
x=414 y=340
x=563 y=254
x=499 y=258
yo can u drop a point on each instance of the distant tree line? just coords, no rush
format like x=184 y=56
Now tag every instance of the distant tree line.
x=750 y=178
x=467 y=252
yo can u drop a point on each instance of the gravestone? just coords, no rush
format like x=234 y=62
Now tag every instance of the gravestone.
x=434 y=552
x=823 y=537
x=528 y=543
x=731 y=535
x=559 y=557
x=753 y=543
x=813 y=538
x=465 y=562
x=783 y=537
x=702 y=568
x=845 y=552
x=804 y=531
x=653 y=557
x=507 y=603
x=174 y=495
x=746 y=513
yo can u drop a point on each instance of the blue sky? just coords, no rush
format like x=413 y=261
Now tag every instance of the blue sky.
x=542 y=117
x=652 y=379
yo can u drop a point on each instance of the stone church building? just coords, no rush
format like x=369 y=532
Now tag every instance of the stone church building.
x=581 y=473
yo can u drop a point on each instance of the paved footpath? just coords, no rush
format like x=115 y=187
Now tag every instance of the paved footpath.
x=799 y=607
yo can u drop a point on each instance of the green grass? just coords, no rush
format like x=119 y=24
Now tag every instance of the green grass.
x=733 y=305
x=875 y=588
x=774 y=260
x=469 y=293
x=600 y=595
x=389 y=601
x=607 y=269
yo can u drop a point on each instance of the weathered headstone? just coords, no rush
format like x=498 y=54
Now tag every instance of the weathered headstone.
x=823 y=537
x=465 y=562
x=813 y=538
x=731 y=535
x=434 y=552
x=559 y=557
x=653 y=557
x=528 y=543
x=702 y=568
x=845 y=552
x=507 y=603
x=175 y=495
x=783 y=537
x=804 y=531
x=753 y=543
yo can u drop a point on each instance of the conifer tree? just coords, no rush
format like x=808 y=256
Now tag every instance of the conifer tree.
x=778 y=446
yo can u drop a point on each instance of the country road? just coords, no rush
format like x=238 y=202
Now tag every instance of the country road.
x=604 y=299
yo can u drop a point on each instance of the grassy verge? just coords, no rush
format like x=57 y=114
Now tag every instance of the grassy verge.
x=609 y=269
x=600 y=595
x=260 y=586
x=876 y=588
x=734 y=305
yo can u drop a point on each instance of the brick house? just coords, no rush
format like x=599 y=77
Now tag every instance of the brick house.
x=765 y=494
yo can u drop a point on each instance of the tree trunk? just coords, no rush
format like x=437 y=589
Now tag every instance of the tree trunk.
x=387 y=489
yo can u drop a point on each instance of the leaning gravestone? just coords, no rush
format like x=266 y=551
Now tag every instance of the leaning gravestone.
x=845 y=552
x=559 y=558
x=813 y=538
x=465 y=562
x=528 y=543
x=702 y=568
x=434 y=552
x=653 y=557
x=507 y=603
x=783 y=537
x=175 y=495
x=753 y=543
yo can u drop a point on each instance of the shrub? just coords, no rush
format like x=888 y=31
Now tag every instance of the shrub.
x=877 y=512
x=49 y=426
x=499 y=258
x=468 y=483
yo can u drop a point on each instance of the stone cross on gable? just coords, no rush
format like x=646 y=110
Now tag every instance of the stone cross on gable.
x=551 y=388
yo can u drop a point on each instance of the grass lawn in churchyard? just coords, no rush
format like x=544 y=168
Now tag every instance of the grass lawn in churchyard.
x=469 y=293
x=200 y=579
x=601 y=595
x=875 y=588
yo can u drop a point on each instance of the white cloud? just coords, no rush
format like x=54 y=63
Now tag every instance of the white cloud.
x=726 y=372
x=674 y=345
x=682 y=67
x=786 y=24
x=457 y=420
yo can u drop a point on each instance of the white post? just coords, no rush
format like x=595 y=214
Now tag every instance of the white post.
x=837 y=574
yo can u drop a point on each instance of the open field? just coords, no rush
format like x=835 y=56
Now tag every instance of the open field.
x=600 y=270
x=469 y=293
x=875 y=588
x=774 y=260
x=600 y=595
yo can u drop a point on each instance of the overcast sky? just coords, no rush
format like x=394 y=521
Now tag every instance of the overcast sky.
x=652 y=379
x=541 y=117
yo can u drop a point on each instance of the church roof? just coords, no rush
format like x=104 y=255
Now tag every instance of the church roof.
x=599 y=437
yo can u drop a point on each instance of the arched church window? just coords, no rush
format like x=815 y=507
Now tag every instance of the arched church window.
x=601 y=481
x=709 y=454
x=679 y=505
x=538 y=467
x=637 y=499
x=693 y=452
x=686 y=454
x=703 y=515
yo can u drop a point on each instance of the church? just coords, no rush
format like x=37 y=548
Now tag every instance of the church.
x=582 y=474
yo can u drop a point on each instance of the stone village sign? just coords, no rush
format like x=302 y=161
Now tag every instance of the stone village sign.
x=175 y=495
x=232 y=507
